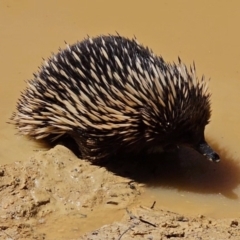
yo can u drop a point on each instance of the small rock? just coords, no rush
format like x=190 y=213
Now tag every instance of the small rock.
x=234 y=223
x=1 y=172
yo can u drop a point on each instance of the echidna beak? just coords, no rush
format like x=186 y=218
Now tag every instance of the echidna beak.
x=208 y=152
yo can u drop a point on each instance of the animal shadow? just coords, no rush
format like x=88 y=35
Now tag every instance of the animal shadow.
x=185 y=170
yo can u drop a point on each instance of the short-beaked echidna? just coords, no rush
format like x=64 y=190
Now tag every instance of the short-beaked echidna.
x=111 y=94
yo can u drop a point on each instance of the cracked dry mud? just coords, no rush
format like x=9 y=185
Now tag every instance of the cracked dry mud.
x=55 y=195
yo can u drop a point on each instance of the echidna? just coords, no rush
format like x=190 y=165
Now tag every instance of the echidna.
x=111 y=94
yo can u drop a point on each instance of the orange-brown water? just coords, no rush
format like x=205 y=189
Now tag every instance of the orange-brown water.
x=203 y=31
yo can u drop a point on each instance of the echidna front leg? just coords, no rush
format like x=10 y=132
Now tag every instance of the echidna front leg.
x=92 y=149
x=171 y=148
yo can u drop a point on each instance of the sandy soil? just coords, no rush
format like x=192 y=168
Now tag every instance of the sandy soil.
x=55 y=195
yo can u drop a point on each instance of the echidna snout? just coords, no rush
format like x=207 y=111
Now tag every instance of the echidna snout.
x=196 y=140
x=207 y=151
x=111 y=94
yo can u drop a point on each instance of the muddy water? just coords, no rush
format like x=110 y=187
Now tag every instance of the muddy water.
x=206 y=32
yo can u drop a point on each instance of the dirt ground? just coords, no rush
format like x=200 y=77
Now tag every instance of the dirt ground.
x=55 y=195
